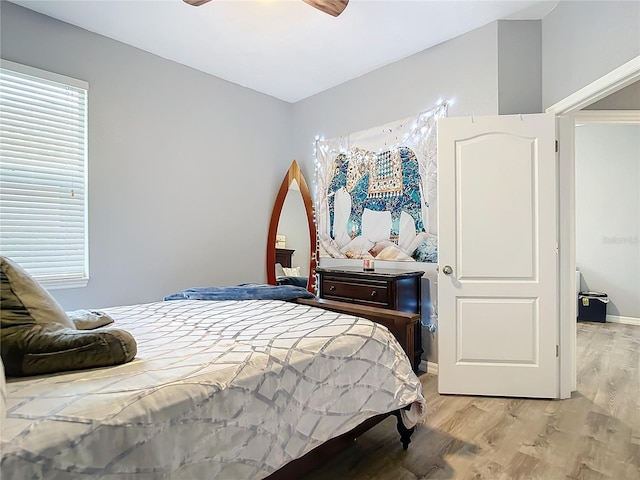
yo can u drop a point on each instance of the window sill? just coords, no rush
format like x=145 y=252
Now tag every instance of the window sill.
x=61 y=283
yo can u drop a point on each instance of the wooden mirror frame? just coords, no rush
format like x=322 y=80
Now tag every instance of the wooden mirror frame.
x=294 y=173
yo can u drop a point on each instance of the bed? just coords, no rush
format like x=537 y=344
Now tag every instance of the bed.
x=219 y=389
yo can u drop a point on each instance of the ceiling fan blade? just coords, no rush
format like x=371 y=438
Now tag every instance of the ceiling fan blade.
x=196 y=3
x=332 y=7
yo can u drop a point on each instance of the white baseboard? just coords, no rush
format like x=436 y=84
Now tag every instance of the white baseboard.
x=429 y=367
x=625 y=320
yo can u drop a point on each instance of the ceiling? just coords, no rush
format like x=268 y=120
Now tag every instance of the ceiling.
x=284 y=48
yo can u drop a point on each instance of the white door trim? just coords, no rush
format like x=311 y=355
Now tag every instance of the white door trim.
x=616 y=117
x=566 y=111
x=613 y=81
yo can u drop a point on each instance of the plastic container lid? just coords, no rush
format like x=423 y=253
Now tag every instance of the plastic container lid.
x=603 y=297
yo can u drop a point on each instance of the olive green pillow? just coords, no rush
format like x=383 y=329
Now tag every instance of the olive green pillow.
x=3 y=393
x=40 y=349
x=38 y=337
x=24 y=301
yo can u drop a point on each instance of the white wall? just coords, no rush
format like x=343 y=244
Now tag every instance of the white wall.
x=183 y=166
x=608 y=213
x=584 y=40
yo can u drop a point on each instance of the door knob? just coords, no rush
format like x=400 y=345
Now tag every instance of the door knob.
x=447 y=270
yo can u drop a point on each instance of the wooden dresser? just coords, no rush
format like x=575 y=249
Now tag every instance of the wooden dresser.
x=283 y=256
x=384 y=288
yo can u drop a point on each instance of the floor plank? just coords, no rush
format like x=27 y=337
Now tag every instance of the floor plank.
x=593 y=435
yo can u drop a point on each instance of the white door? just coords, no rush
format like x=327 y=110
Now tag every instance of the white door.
x=498 y=273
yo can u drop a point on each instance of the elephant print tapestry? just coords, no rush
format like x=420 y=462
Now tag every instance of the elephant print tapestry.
x=376 y=192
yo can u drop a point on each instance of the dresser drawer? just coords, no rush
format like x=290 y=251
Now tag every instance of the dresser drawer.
x=374 y=292
x=383 y=288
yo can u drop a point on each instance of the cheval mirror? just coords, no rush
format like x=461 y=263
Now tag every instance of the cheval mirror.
x=292 y=185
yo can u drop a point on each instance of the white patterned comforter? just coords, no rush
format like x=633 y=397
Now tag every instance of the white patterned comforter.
x=224 y=389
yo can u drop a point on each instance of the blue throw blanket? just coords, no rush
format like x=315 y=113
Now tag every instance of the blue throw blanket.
x=245 y=291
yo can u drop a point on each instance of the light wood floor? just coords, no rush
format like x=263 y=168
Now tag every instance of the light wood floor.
x=593 y=435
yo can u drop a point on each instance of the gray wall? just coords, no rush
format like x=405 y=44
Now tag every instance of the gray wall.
x=608 y=213
x=627 y=98
x=463 y=70
x=519 y=66
x=584 y=40
x=164 y=157
x=183 y=166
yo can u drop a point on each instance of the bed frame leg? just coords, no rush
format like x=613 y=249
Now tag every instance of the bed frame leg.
x=405 y=433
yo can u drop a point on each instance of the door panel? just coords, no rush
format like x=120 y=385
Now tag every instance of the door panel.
x=497 y=235
x=501 y=229
x=512 y=322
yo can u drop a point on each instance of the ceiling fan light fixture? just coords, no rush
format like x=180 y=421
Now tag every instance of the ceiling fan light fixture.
x=196 y=3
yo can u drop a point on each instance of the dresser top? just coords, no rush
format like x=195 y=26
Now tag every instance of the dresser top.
x=380 y=272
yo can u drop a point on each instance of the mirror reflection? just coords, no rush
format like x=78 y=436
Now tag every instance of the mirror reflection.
x=291 y=241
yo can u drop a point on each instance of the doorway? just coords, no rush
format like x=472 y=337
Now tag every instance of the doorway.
x=607 y=205
x=566 y=111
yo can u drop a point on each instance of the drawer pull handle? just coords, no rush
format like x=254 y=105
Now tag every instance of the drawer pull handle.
x=332 y=288
x=374 y=293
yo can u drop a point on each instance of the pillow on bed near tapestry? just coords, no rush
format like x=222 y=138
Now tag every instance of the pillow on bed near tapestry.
x=358 y=248
x=37 y=336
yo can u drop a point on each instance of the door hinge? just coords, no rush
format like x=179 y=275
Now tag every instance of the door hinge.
x=556 y=146
x=557 y=248
x=557 y=351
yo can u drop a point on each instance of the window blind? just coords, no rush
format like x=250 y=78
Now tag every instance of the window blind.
x=43 y=155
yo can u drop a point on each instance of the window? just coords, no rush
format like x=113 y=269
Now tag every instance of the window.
x=43 y=174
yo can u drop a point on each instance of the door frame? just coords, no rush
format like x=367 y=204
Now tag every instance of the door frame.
x=565 y=112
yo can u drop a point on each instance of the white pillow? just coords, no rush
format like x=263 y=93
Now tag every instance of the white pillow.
x=291 y=272
x=329 y=246
x=395 y=253
x=421 y=237
x=358 y=248
x=376 y=226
